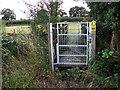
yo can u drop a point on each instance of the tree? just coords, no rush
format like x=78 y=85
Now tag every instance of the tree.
x=52 y=8
x=107 y=16
x=78 y=12
x=8 y=14
x=42 y=17
x=62 y=13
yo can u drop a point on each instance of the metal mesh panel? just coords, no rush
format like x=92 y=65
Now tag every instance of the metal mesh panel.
x=72 y=42
x=72 y=50
x=72 y=39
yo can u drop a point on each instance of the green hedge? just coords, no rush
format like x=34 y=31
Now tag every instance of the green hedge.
x=18 y=22
x=72 y=19
x=59 y=19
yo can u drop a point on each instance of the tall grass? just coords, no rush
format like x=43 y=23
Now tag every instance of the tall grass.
x=17 y=52
x=25 y=60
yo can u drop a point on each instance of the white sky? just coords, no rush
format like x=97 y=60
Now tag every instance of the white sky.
x=18 y=5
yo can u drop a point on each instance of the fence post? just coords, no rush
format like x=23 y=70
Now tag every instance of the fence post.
x=48 y=27
x=93 y=43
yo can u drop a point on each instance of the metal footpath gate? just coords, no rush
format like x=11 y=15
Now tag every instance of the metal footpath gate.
x=70 y=43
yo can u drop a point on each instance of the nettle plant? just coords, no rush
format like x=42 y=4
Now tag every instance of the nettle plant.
x=107 y=53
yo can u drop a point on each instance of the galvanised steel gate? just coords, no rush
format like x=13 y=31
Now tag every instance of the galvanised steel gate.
x=70 y=43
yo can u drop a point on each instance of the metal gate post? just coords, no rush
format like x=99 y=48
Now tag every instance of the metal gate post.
x=51 y=46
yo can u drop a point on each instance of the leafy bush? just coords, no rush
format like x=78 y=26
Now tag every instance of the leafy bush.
x=16 y=52
x=106 y=63
x=42 y=17
x=11 y=46
x=75 y=74
x=102 y=72
x=107 y=67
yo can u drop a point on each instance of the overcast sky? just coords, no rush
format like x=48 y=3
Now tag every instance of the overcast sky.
x=18 y=6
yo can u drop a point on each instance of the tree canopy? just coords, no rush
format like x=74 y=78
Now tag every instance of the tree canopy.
x=78 y=12
x=62 y=13
x=42 y=17
x=8 y=14
x=107 y=16
x=51 y=7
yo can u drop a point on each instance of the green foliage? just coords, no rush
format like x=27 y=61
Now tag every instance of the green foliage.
x=107 y=53
x=96 y=75
x=111 y=81
x=106 y=67
x=2 y=26
x=18 y=22
x=71 y=19
x=16 y=53
x=54 y=10
x=12 y=47
x=8 y=14
x=25 y=61
x=107 y=63
x=106 y=21
x=62 y=13
x=78 y=12
x=26 y=64
x=69 y=74
x=42 y=17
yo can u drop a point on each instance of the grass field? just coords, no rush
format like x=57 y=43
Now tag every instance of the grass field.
x=16 y=29
x=76 y=29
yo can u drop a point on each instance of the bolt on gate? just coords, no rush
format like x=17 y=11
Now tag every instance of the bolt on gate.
x=71 y=43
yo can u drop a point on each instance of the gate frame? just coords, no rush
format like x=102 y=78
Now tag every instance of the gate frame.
x=90 y=38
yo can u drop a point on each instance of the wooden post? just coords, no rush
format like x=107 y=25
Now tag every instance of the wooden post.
x=93 y=43
x=49 y=43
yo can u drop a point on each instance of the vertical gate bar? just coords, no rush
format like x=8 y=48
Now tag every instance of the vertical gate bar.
x=80 y=29
x=51 y=41
x=57 y=48
x=57 y=43
x=87 y=50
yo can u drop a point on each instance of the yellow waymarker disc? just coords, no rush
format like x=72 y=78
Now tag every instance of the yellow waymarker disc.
x=93 y=25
